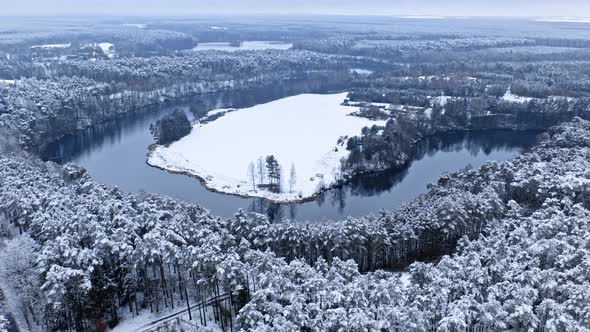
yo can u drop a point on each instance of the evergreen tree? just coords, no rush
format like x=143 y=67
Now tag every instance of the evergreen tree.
x=273 y=173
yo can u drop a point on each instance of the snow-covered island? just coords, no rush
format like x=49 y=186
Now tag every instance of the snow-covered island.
x=305 y=133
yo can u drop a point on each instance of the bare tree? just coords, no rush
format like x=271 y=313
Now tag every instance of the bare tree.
x=321 y=185
x=261 y=168
x=292 y=178
x=337 y=175
x=252 y=175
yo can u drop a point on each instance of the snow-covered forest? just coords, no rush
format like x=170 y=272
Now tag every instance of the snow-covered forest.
x=516 y=233
x=502 y=247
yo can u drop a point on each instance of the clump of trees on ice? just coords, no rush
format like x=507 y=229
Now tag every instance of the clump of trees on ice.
x=171 y=127
x=267 y=174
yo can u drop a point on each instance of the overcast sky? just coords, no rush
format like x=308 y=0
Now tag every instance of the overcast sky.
x=346 y=7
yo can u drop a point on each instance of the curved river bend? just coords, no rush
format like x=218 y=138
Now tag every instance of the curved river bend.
x=115 y=154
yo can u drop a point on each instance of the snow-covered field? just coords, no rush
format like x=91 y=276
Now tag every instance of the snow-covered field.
x=52 y=46
x=564 y=20
x=440 y=100
x=301 y=130
x=509 y=96
x=136 y=25
x=107 y=49
x=245 y=46
x=361 y=71
x=423 y=17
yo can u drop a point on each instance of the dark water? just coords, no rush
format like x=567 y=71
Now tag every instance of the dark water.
x=115 y=154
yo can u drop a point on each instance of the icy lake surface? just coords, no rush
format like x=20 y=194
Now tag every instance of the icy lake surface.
x=300 y=131
x=115 y=155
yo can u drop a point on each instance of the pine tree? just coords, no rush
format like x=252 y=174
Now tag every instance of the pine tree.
x=274 y=173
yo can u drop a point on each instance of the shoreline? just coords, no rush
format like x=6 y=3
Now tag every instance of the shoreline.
x=346 y=180
x=206 y=185
x=161 y=104
x=322 y=171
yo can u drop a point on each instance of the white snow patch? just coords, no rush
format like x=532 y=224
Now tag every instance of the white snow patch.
x=9 y=82
x=217 y=28
x=141 y=322
x=565 y=20
x=361 y=71
x=302 y=130
x=136 y=25
x=244 y=46
x=425 y=17
x=52 y=46
x=406 y=279
x=441 y=100
x=395 y=107
x=569 y=99
x=135 y=323
x=426 y=78
x=107 y=49
x=509 y=96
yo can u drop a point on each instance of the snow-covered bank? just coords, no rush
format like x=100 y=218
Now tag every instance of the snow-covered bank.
x=302 y=130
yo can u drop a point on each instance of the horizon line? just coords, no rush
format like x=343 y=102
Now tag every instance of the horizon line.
x=279 y=14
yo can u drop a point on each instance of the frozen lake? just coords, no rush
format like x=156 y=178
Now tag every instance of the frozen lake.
x=115 y=154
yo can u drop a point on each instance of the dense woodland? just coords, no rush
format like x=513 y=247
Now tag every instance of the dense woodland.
x=502 y=247
x=78 y=237
x=392 y=146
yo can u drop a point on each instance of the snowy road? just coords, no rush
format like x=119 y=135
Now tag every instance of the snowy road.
x=153 y=325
